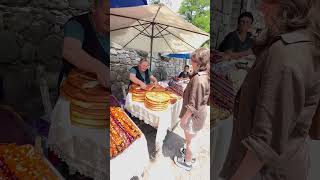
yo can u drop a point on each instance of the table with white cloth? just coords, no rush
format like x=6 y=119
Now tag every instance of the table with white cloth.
x=83 y=149
x=131 y=162
x=162 y=120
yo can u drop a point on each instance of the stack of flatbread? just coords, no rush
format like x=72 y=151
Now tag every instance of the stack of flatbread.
x=138 y=94
x=88 y=99
x=173 y=96
x=157 y=101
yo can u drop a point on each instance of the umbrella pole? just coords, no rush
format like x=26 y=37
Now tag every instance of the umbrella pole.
x=151 y=45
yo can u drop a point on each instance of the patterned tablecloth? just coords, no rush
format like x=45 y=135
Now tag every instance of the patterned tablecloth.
x=83 y=149
x=131 y=162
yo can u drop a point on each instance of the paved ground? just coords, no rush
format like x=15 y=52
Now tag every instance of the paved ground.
x=164 y=168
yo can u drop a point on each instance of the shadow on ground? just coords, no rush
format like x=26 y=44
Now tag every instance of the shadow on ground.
x=172 y=142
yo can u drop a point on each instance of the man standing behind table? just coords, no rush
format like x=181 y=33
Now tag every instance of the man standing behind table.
x=141 y=75
x=238 y=44
x=184 y=74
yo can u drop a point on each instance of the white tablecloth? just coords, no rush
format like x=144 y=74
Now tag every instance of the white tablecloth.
x=83 y=149
x=220 y=138
x=131 y=162
x=162 y=120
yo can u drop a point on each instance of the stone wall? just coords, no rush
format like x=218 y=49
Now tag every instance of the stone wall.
x=258 y=18
x=123 y=60
x=31 y=34
x=221 y=12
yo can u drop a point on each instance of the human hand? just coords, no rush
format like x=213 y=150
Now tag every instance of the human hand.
x=183 y=121
x=143 y=85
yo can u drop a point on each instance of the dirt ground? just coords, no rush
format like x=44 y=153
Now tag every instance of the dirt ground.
x=163 y=167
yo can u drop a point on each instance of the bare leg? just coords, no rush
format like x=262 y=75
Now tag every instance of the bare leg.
x=189 y=153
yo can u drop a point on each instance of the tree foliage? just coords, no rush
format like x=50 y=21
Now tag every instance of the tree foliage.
x=197 y=12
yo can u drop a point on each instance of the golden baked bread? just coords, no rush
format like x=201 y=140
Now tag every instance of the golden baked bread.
x=158 y=88
x=173 y=96
x=157 y=101
x=138 y=94
x=83 y=104
x=98 y=112
x=24 y=163
x=89 y=123
x=157 y=96
x=88 y=116
x=93 y=94
x=88 y=99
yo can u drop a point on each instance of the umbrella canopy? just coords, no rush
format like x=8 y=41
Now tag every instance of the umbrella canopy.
x=127 y=3
x=154 y=28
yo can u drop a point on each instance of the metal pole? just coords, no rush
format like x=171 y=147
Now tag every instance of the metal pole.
x=151 y=45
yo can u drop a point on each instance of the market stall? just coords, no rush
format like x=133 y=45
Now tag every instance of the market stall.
x=158 y=106
x=128 y=147
x=154 y=28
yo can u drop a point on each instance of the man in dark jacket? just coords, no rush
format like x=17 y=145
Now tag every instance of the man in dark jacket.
x=86 y=43
x=185 y=74
x=238 y=44
x=141 y=75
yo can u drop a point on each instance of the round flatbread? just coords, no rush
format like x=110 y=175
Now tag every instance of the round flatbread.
x=96 y=94
x=88 y=123
x=88 y=105
x=158 y=96
x=97 y=112
x=102 y=117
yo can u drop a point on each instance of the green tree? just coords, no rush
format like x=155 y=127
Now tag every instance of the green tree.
x=197 y=12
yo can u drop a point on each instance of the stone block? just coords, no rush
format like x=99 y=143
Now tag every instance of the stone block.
x=52 y=4
x=9 y=46
x=37 y=31
x=18 y=85
x=113 y=51
x=15 y=2
x=115 y=60
x=19 y=21
x=28 y=53
x=79 y=4
x=113 y=76
x=50 y=49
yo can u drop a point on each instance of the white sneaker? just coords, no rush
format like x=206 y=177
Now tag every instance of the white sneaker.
x=180 y=162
